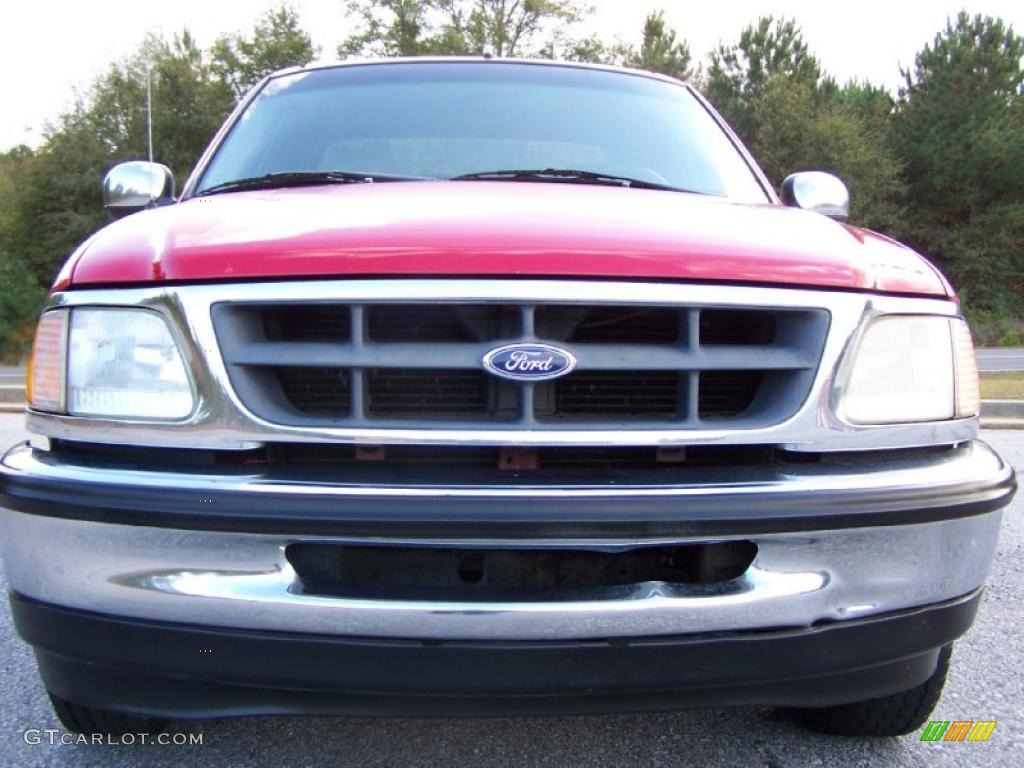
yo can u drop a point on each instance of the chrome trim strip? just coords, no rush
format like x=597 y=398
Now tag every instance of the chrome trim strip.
x=222 y=421
x=244 y=581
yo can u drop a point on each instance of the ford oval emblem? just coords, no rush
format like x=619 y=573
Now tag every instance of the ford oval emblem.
x=529 y=362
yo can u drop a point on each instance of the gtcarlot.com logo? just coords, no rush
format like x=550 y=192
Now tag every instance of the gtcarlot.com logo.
x=55 y=736
x=958 y=730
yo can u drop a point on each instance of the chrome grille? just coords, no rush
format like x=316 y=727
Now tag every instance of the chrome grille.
x=394 y=364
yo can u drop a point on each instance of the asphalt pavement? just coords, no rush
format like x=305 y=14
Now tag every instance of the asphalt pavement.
x=1001 y=359
x=985 y=684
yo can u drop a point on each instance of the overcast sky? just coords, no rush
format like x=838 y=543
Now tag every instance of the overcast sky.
x=48 y=48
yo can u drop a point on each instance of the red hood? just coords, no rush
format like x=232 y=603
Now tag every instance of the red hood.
x=495 y=229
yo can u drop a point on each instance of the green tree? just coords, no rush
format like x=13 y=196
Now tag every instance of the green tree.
x=60 y=202
x=276 y=41
x=739 y=74
x=387 y=28
x=20 y=294
x=589 y=50
x=660 y=51
x=50 y=200
x=800 y=129
x=419 y=27
x=772 y=90
x=507 y=27
x=959 y=122
x=959 y=126
x=872 y=103
x=189 y=103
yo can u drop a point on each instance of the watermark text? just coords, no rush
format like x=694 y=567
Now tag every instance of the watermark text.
x=55 y=736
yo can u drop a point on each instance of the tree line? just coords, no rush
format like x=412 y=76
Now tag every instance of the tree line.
x=937 y=164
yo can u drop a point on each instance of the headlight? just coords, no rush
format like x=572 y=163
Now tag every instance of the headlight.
x=910 y=368
x=117 y=363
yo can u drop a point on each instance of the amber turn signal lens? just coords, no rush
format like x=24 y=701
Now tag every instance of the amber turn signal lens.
x=44 y=387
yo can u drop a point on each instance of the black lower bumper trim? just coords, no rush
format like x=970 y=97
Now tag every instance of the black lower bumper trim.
x=188 y=671
x=306 y=510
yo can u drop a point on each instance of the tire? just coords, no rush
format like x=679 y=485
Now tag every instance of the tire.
x=79 y=718
x=894 y=715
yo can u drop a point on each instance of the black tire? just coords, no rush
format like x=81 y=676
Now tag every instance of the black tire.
x=894 y=715
x=78 y=718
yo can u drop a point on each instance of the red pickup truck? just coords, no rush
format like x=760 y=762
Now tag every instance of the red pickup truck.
x=463 y=386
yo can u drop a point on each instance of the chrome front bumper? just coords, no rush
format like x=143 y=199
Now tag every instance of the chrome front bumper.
x=244 y=581
x=240 y=578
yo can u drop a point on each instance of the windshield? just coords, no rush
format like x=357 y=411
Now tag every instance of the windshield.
x=448 y=119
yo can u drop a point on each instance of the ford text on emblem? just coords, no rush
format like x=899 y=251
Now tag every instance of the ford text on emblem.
x=529 y=362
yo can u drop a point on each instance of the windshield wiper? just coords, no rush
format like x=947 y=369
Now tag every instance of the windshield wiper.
x=566 y=176
x=303 y=178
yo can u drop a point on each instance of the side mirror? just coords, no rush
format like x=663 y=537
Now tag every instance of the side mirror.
x=819 y=192
x=131 y=187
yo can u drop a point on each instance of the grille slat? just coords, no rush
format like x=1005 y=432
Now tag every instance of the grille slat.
x=395 y=364
x=468 y=356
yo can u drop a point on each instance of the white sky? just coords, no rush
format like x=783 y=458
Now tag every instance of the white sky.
x=48 y=47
